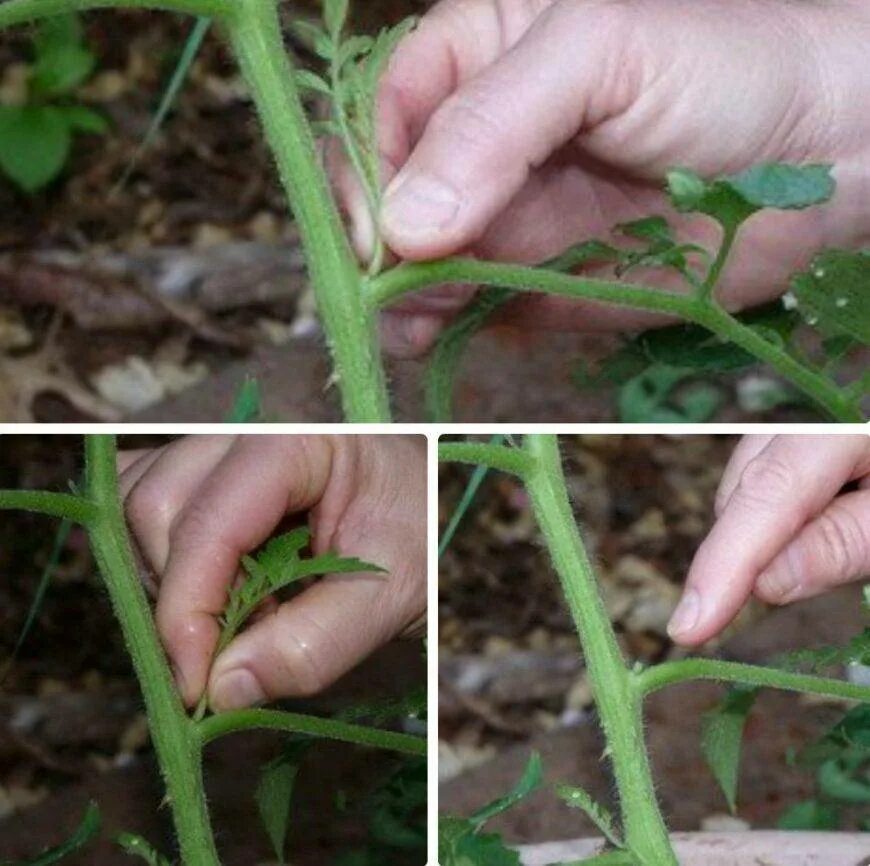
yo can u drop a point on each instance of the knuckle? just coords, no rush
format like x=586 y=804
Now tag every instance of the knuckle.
x=467 y=118
x=766 y=480
x=297 y=656
x=842 y=542
x=149 y=507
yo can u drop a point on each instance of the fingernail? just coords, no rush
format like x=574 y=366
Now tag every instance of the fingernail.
x=687 y=614
x=236 y=690
x=419 y=202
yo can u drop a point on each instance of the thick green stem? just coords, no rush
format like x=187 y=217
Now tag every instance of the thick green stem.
x=350 y=325
x=503 y=457
x=406 y=278
x=14 y=12
x=277 y=720
x=176 y=740
x=64 y=505
x=616 y=696
x=667 y=674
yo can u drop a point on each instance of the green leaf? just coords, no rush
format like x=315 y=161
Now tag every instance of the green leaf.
x=856 y=650
x=661 y=394
x=335 y=16
x=722 y=735
x=83 y=119
x=86 y=831
x=381 y=51
x=582 y=254
x=274 y=794
x=248 y=404
x=837 y=783
x=810 y=815
x=577 y=798
x=34 y=144
x=460 y=845
x=531 y=780
x=63 y=61
x=312 y=82
x=136 y=846
x=834 y=294
x=313 y=38
x=733 y=199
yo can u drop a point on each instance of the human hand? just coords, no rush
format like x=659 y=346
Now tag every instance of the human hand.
x=511 y=129
x=198 y=504
x=785 y=529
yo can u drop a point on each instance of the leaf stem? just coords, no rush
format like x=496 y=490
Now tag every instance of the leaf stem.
x=350 y=325
x=504 y=457
x=65 y=505
x=669 y=673
x=222 y=724
x=14 y=12
x=616 y=697
x=174 y=736
x=705 y=290
x=393 y=284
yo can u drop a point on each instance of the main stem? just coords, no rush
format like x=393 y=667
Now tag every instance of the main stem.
x=616 y=696
x=350 y=325
x=176 y=740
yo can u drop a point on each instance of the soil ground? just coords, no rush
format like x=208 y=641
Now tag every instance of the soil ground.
x=72 y=727
x=512 y=678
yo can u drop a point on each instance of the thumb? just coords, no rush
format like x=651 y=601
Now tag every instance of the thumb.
x=308 y=643
x=478 y=147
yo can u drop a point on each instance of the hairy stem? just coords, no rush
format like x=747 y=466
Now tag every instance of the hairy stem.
x=503 y=457
x=669 y=673
x=174 y=735
x=393 y=284
x=222 y=724
x=616 y=697
x=14 y=12
x=350 y=325
x=705 y=290
x=64 y=505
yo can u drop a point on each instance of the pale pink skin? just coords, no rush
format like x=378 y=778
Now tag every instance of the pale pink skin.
x=200 y=503
x=784 y=529
x=528 y=125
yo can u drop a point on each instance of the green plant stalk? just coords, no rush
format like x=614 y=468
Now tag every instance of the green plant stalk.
x=254 y=32
x=616 y=696
x=669 y=673
x=503 y=457
x=277 y=720
x=63 y=505
x=175 y=737
x=14 y=12
x=406 y=278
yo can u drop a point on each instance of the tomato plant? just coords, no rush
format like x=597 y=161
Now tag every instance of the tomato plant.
x=832 y=295
x=638 y=835
x=179 y=739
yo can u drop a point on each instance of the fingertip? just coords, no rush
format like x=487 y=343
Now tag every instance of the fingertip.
x=408 y=336
x=686 y=619
x=235 y=689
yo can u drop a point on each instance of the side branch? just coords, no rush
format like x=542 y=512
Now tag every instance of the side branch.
x=65 y=505
x=501 y=457
x=670 y=673
x=14 y=12
x=213 y=727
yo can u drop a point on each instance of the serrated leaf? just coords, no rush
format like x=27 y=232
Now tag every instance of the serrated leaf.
x=382 y=49
x=311 y=82
x=86 y=831
x=582 y=254
x=335 y=15
x=652 y=228
x=275 y=792
x=352 y=49
x=531 y=780
x=313 y=37
x=810 y=815
x=834 y=294
x=34 y=144
x=577 y=798
x=855 y=651
x=83 y=119
x=460 y=845
x=136 y=846
x=722 y=736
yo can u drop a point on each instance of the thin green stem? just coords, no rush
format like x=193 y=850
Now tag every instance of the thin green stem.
x=616 y=697
x=351 y=329
x=503 y=457
x=669 y=673
x=705 y=290
x=221 y=724
x=174 y=735
x=393 y=284
x=64 y=505
x=14 y=12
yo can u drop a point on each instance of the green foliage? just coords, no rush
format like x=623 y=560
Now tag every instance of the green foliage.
x=248 y=404
x=722 y=736
x=86 y=831
x=36 y=137
x=136 y=846
x=667 y=395
x=275 y=792
x=530 y=781
x=810 y=815
x=855 y=651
